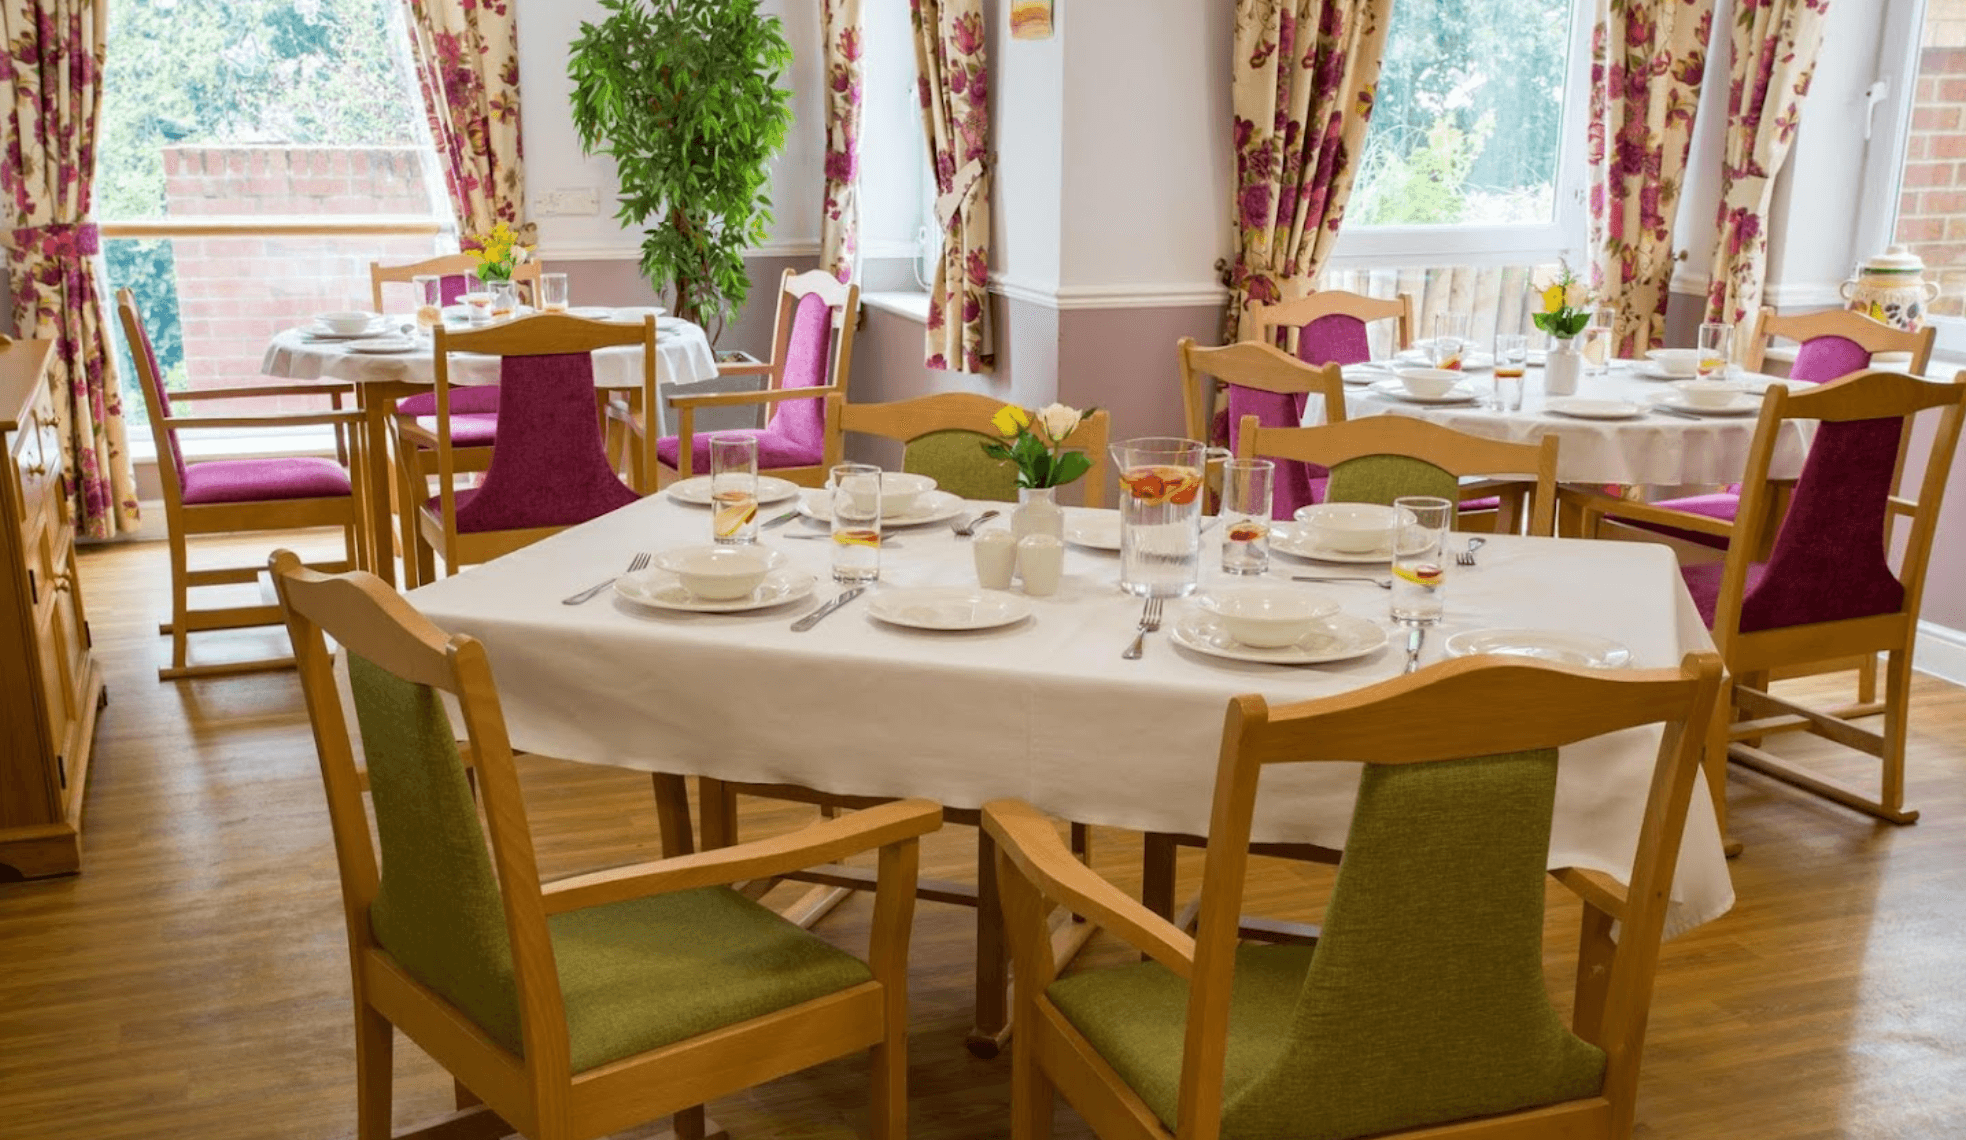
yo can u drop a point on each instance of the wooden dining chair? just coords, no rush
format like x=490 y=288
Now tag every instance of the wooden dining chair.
x=550 y=468
x=1826 y=590
x=811 y=359
x=1421 y=1010
x=943 y=437
x=454 y=272
x=1329 y=326
x=238 y=496
x=1260 y=380
x=1380 y=458
x=590 y=1004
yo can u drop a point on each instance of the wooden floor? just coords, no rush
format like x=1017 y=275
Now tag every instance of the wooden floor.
x=192 y=981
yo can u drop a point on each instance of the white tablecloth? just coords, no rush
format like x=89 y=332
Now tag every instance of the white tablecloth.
x=1046 y=710
x=1655 y=449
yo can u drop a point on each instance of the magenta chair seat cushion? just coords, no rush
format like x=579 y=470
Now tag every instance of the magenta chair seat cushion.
x=775 y=450
x=469 y=430
x=263 y=480
x=478 y=399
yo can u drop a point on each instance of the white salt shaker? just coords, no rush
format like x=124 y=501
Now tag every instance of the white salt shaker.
x=996 y=558
x=1041 y=563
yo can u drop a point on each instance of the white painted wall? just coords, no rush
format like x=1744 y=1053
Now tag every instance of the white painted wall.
x=554 y=160
x=1027 y=114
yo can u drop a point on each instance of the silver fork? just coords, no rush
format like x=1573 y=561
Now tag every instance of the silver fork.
x=1467 y=557
x=1382 y=583
x=639 y=562
x=967 y=527
x=1149 y=622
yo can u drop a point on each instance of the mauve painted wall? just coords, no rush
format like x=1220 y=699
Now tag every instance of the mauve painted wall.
x=1945 y=576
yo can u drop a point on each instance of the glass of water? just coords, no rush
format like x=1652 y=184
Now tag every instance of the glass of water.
x=552 y=292
x=1511 y=362
x=1246 y=488
x=1160 y=513
x=856 y=523
x=1716 y=346
x=1597 y=339
x=1419 y=560
x=733 y=488
x=1449 y=347
x=428 y=290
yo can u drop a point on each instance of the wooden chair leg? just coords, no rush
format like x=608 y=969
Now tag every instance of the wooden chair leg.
x=1897 y=710
x=992 y=1012
x=180 y=602
x=1032 y=1095
x=1714 y=760
x=375 y=1040
x=1867 y=680
x=889 y=1078
x=406 y=521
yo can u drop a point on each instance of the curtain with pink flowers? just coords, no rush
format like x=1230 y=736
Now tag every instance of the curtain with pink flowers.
x=1775 y=46
x=1303 y=76
x=839 y=221
x=1647 y=60
x=467 y=62
x=51 y=63
x=955 y=88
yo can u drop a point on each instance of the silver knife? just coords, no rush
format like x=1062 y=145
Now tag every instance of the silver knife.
x=780 y=520
x=1665 y=411
x=1414 y=637
x=819 y=615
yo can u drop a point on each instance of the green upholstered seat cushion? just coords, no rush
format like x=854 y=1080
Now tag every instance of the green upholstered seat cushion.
x=634 y=975
x=1383 y=478
x=1424 y=1001
x=955 y=460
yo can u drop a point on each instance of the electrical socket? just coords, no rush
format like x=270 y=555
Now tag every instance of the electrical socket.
x=577 y=201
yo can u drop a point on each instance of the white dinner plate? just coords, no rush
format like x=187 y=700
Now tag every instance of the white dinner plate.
x=1095 y=530
x=1298 y=541
x=1394 y=390
x=323 y=332
x=1470 y=362
x=1340 y=637
x=381 y=347
x=662 y=590
x=1743 y=404
x=931 y=507
x=1560 y=647
x=591 y=312
x=948 y=608
x=1368 y=372
x=1578 y=408
x=695 y=490
x=1650 y=370
x=636 y=312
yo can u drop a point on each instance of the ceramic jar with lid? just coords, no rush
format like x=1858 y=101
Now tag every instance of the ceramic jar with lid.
x=1891 y=288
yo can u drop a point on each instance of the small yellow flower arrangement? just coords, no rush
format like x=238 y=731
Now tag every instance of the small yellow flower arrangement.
x=1566 y=305
x=1036 y=444
x=497 y=253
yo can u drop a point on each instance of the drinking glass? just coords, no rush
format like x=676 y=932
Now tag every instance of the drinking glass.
x=1597 y=339
x=856 y=523
x=1511 y=362
x=552 y=292
x=1160 y=513
x=733 y=488
x=428 y=292
x=1450 y=343
x=1716 y=345
x=478 y=299
x=1419 y=566
x=1246 y=490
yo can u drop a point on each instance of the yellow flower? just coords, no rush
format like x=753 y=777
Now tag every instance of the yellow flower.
x=1553 y=298
x=1011 y=419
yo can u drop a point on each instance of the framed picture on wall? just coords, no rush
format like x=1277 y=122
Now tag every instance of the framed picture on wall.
x=1030 y=19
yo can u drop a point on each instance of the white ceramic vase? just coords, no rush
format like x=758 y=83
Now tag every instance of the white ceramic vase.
x=1562 y=366
x=1038 y=512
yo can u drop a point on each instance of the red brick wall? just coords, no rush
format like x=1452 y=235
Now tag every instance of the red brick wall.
x=1932 y=201
x=235 y=293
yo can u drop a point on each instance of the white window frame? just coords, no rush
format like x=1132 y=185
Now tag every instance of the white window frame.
x=1376 y=247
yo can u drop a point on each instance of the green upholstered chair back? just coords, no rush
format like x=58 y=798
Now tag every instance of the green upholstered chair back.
x=1425 y=1001
x=954 y=459
x=437 y=907
x=1383 y=478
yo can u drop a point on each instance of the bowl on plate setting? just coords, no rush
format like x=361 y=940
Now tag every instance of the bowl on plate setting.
x=1676 y=361
x=1709 y=393
x=346 y=323
x=1349 y=528
x=717 y=573
x=1428 y=382
x=1268 y=617
x=900 y=490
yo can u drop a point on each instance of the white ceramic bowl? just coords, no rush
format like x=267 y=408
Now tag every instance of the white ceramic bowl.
x=1428 y=382
x=899 y=493
x=1349 y=528
x=1676 y=361
x=718 y=573
x=1709 y=393
x=346 y=323
x=1269 y=617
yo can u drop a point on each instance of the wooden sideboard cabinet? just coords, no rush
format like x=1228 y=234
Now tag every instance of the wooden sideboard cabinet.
x=50 y=685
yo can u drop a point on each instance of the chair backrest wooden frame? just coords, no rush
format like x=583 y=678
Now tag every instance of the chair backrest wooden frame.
x=153 y=399
x=1250 y=364
x=1864 y=396
x=1292 y=316
x=842 y=298
x=907 y=420
x=444 y=265
x=1871 y=335
x=1457 y=453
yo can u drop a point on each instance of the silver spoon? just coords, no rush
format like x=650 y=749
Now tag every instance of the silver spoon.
x=968 y=529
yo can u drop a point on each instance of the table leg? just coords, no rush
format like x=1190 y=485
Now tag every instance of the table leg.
x=672 y=814
x=381 y=540
x=718 y=808
x=1157 y=873
x=992 y=1027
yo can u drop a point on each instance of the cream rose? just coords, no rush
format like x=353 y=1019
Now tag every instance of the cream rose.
x=1059 y=421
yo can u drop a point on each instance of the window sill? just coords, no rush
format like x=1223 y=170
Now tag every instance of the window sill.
x=913 y=306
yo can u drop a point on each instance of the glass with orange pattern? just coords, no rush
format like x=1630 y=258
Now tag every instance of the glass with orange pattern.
x=1160 y=513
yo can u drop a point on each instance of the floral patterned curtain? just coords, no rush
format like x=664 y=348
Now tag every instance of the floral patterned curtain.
x=467 y=62
x=1647 y=60
x=1303 y=78
x=954 y=76
x=52 y=65
x=1775 y=47
x=839 y=222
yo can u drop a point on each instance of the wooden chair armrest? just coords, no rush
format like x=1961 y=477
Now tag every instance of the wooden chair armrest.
x=739 y=399
x=1594 y=887
x=271 y=419
x=1030 y=840
x=410 y=432
x=825 y=842
x=756 y=368
x=1629 y=511
x=296 y=388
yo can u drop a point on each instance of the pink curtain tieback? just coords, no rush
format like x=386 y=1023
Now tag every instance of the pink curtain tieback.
x=82 y=239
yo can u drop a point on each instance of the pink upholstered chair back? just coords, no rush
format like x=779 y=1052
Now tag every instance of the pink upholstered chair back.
x=550 y=468
x=1825 y=358
x=1335 y=338
x=803 y=422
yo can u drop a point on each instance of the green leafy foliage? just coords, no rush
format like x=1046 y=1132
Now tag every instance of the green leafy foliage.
x=686 y=97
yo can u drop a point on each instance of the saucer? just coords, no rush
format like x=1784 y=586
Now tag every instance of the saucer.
x=1340 y=637
x=381 y=347
x=695 y=490
x=1584 y=409
x=1559 y=647
x=1742 y=404
x=659 y=589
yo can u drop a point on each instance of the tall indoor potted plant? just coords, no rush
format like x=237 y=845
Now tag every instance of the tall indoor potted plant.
x=684 y=96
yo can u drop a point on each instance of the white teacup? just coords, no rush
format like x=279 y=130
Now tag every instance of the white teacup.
x=1676 y=361
x=1349 y=528
x=1428 y=382
x=995 y=552
x=346 y=323
x=1269 y=616
x=1709 y=393
x=1041 y=563
x=718 y=573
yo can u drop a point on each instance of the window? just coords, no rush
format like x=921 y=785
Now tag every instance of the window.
x=1924 y=174
x=897 y=179
x=1474 y=151
x=255 y=156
